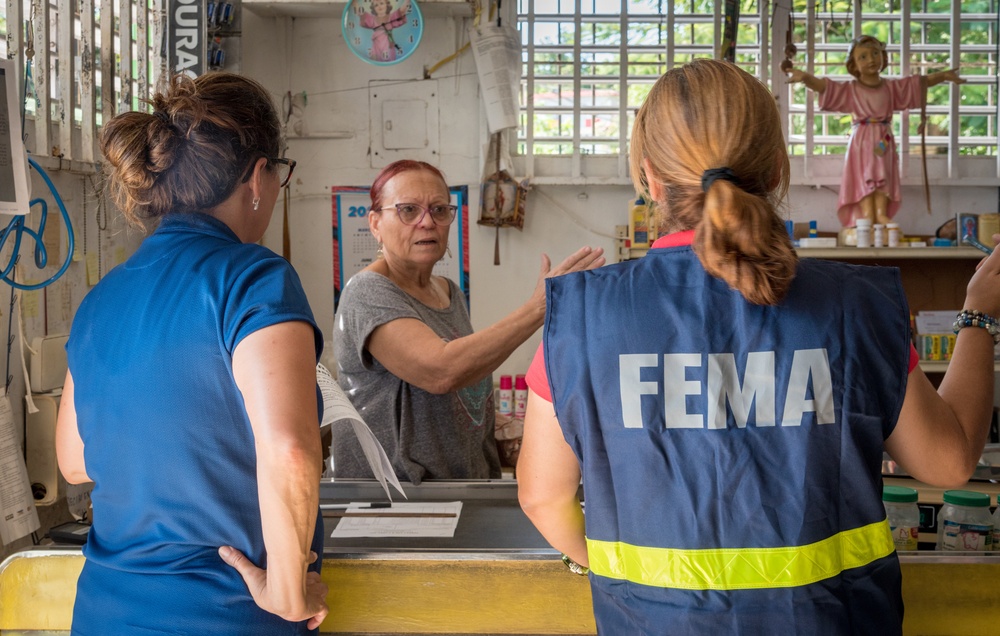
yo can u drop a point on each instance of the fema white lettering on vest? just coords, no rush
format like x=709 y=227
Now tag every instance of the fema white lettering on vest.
x=809 y=367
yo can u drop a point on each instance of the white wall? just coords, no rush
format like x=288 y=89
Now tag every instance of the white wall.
x=308 y=54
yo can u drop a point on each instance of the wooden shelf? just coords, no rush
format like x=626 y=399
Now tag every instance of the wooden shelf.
x=883 y=253
x=873 y=253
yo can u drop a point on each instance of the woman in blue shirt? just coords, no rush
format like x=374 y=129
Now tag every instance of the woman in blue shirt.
x=191 y=398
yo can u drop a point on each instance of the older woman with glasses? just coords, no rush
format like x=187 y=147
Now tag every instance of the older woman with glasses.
x=406 y=353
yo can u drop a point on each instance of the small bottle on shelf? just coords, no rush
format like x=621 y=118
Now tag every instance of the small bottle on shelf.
x=903 y=515
x=878 y=235
x=864 y=232
x=505 y=405
x=893 y=235
x=520 y=396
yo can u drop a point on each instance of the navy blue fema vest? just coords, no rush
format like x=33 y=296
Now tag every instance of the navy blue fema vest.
x=731 y=453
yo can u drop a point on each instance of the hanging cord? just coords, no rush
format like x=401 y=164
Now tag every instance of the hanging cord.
x=497 y=202
x=17 y=224
x=923 y=139
x=8 y=378
x=19 y=229
x=465 y=47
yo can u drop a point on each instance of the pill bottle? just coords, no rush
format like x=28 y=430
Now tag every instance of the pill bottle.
x=878 y=235
x=505 y=405
x=864 y=232
x=520 y=396
x=903 y=515
x=964 y=523
x=638 y=224
x=892 y=234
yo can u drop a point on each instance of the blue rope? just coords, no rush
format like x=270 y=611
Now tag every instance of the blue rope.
x=19 y=229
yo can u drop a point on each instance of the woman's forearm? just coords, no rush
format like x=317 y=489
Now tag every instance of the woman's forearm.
x=478 y=355
x=288 y=489
x=275 y=370
x=562 y=525
x=411 y=350
x=548 y=481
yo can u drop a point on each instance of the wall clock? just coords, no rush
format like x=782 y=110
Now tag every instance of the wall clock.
x=382 y=32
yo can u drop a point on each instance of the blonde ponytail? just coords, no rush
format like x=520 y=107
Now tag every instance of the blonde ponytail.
x=707 y=143
x=742 y=241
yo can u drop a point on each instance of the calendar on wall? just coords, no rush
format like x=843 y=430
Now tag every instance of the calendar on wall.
x=354 y=247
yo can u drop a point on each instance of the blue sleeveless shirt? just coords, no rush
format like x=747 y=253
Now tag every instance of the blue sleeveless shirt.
x=166 y=436
x=731 y=452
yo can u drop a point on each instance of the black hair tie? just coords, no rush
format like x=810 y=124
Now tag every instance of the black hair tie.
x=162 y=116
x=709 y=176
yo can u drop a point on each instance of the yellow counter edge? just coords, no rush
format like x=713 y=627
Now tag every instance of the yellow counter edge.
x=431 y=596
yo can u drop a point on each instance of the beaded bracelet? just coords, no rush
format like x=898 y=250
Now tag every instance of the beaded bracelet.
x=972 y=318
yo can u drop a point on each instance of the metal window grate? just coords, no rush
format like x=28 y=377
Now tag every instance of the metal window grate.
x=91 y=59
x=588 y=65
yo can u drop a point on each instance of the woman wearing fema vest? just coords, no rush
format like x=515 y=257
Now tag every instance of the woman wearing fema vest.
x=729 y=420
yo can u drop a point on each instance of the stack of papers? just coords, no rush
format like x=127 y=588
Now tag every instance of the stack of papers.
x=429 y=519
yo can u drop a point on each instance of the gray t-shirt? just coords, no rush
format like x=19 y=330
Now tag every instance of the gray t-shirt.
x=426 y=436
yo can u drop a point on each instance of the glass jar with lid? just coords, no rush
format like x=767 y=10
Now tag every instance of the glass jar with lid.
x=903 y=515
x=964 y=523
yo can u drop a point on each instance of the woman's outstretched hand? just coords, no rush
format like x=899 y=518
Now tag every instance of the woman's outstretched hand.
x=314 y=606
x=583 y=259
x=983 y=291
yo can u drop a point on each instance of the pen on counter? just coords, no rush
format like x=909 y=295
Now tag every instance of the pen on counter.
x=374 y=504
x=380 y=515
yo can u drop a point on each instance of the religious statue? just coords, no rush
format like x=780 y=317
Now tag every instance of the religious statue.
x=869 y=186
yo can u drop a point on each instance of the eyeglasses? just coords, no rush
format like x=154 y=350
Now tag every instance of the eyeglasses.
x=411 y=213
x=285 y=169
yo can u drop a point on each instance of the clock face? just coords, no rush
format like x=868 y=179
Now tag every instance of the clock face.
x=382 y=32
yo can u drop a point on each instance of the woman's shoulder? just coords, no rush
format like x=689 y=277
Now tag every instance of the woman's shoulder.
x=848 y=277
x=367 y=280
x=368 y=289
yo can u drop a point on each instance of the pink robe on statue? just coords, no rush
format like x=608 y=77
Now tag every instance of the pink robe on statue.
x=871 y=110
x=383 y=46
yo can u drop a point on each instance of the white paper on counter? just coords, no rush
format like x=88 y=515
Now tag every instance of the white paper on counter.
x=497 y=51
x=376 y=526
x=18 y=516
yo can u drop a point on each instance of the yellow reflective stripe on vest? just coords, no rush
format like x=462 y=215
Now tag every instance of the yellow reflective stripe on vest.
x=741 y=568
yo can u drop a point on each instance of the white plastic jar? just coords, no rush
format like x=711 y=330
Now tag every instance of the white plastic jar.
x=903 y=515
x=964 y=523
x=863 y=227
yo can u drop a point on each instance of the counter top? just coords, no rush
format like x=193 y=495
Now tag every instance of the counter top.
x=491 y=524
x=496 y=576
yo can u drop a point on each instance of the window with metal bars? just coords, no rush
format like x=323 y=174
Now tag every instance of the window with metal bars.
x=588 y=65
x=81 y=60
